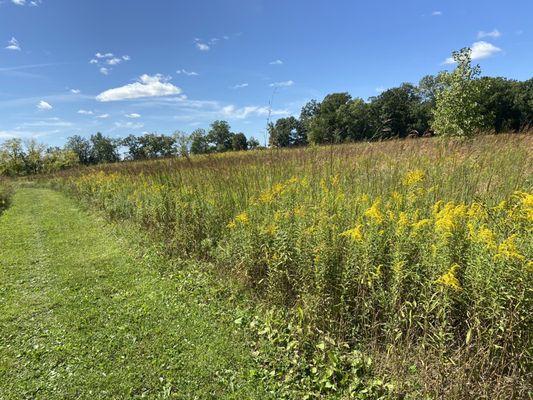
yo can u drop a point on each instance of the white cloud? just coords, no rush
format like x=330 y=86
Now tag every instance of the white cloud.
x=33 y=3
x=202 y=46
x=188 y=73
x=43 y=105
x=282 y=84
x=106 y=55
x=85 y=112
x=231 y=111
x=133 y=115
x=276 y=62
x=75 y=91
x=129 y=125
x=240 y=86
x=436 y=13
x=480 y=50
x=114 y=61
x=493 y=34
x=106 y=60
x=146 y=86
x=103 y=116
x=13 y=44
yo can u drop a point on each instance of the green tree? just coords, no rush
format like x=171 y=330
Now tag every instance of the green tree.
x=199 y=143
x=326 y=126
x=239 y=142
x=220 y=136
x=285 y=132
x=253 y=143
x=458 y=110
x=80 y=146
x=104 y=149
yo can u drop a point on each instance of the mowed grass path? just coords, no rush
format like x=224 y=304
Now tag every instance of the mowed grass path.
x=86 y=312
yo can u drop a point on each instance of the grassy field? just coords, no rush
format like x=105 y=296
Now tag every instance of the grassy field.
x=398 y=269
x=92 y=311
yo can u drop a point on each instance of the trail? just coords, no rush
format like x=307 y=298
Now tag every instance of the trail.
x=84 y=316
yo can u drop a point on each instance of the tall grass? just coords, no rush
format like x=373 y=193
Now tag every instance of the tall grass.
x=419 y=251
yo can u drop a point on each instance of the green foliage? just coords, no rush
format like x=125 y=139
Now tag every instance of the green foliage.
x=458 y=110
x=286 y=132
x=26 y=158
x=220 y=136
x=239 y=142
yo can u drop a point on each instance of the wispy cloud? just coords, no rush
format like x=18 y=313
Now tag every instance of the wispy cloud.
x=147 y=86
x=436 y=13
x=133 y=115
x=33 y=3
x=202 y=46
x=129 y=125
x=282 y=84
x=276 y=62
x=480 y=50
x=75 y=91
x=43 y=105
x=103 y=116
x=495 y=33
x=85 y=112
x=13 y=44
x=188 y=73
x=232 y=111
x=240 y=85
x=104 y=61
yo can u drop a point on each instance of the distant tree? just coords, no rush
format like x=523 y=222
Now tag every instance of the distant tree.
x=239 y=142
x=220 y=136
x=355 y=119
x=12 y=157
x=326 y=125
x=104 y=149
x=308 y=112
x=523 y=100
x=397 y=112
x=458 y=110
x=80 y=146
x=285 y=132
x=135 y=150
x=199 y=143
x=56 y=159
x=253 y=143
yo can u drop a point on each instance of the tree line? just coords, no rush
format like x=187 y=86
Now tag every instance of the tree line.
x=457 y=103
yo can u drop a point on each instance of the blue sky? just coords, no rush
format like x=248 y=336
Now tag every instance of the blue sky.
x=77 y=67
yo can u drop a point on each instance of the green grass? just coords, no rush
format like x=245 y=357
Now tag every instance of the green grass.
x=93 y=311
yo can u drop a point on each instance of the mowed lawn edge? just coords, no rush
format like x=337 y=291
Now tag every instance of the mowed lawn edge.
x=89 y=310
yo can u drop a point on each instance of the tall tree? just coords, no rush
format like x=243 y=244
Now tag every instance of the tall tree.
x=220 y=136
x=239 y=142
x=199 y=143
x=80 y=146
x=458 y=111
x=104 y=149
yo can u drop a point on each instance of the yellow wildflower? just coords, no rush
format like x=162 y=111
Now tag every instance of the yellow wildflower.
x=414 y=177
x=507 y=249
x=242 y=218
x=374 y=212
x=449 y=279
x=354 y=234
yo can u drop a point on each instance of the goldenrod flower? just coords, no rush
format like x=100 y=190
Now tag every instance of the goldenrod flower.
x=413 y=177
x=355 y=234
x=449 y=279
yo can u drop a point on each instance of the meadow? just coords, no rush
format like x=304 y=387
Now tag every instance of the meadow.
x=412 y=258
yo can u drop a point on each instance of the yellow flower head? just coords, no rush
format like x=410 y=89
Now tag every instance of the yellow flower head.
x=355 y=234
x=374 y=212
x=507 y=249
x=414 y=177
x=449 y=279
